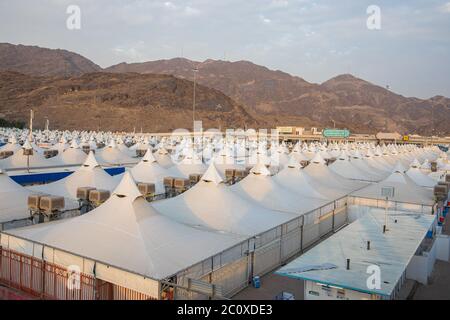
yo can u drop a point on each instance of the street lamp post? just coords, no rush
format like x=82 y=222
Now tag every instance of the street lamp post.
x=193 y=104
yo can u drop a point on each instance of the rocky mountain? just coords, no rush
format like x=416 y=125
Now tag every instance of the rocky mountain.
x=117 y=102
x=38 y=61
x=282 y=99
x=259 y=96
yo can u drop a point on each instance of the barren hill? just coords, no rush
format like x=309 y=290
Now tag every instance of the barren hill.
x=122 y=102
x=38 y=61
x=282 y=99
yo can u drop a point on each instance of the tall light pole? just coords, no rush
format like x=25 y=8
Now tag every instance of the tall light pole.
x=193 y=104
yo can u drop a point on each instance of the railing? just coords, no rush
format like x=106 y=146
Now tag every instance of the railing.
x=49 y=281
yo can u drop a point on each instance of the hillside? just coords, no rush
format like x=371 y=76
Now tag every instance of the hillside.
x=282 y=99
x=117 y=102
x=259 y=96
x=38 y=61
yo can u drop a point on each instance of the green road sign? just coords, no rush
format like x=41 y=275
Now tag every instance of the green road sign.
x=336 y=133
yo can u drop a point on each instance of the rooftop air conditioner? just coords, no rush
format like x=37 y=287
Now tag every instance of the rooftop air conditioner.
x=146 y=189
x=99 y=196
x=33 y=201
x=169 y=182
x=181 y=183
x=83 y=192
x=51 y=204
x=194 y=178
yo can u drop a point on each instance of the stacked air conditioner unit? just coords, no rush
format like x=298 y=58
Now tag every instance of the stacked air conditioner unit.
x=91 y=198
x=148 y=190
x=181 y=185
x=194 y=178
x=6 y=154
x=45 y=206
x=50 y=153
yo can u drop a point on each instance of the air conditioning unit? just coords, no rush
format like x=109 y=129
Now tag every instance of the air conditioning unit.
x=181 y=184
x=240 y=174
x=194 y=178
x=83 y=192
x=99 y=196
x=140 y=153
x=169 y=182
x=51 y=204
x=28 y=152
x=146 y=189
x=6 y=154
x=230 y=174
x=50 y=153
x=440 y=189
x=433 y=166
x=33 y=201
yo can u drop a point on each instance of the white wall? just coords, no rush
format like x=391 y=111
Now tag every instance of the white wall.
x=443 y=248
x=421 y=267
x=313 y=291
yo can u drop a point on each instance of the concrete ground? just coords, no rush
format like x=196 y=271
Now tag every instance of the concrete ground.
x=438 y=287
x=271 y=286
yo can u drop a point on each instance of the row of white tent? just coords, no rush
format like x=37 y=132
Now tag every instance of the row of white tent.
x=157 y=240
x=317 y=180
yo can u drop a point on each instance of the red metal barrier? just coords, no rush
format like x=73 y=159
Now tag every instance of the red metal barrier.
x=51 y=282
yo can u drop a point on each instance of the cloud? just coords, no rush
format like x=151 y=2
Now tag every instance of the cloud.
x=445 y=8
x=264 y=19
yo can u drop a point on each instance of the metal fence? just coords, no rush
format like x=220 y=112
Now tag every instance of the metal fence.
x=48 y=281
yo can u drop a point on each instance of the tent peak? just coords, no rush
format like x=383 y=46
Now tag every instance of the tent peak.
x=127 y=188
x=212 y=175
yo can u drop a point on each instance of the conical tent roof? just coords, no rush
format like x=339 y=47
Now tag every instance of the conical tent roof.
x=263 y=189
x=420 y=178
x=163 y=158
x=36 y=160
x=129 y=234
x=293 y=178
x=90 y=174
x=190 y=165
x=406 y=190
x=322 y=174
x=210 y=204
x=344 y=167
x=111 y=155
x=149 y=171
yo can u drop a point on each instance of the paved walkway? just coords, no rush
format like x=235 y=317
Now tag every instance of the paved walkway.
x=272 y=285
x=438 y=287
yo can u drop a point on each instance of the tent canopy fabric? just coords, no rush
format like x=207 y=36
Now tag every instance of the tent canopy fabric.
x=90 y=174
x=212 y=205
x=134 y=237
x=13 y=200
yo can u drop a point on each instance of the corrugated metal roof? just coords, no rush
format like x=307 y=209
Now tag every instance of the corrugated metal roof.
x=391 y=251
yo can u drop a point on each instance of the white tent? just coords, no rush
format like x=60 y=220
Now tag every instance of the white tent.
x=36 y=160
x=163 y=157
x=90 y=174
x=128 y=234
x=260 y=187
x=211 y=204
x=13 y=199
x=325 y=176
x=345 y=167
x=111 y=155
x=149 y=171
x=293 y=178
x=191 y=164
x=72 y=155
x=419 y=177
x=405 y=190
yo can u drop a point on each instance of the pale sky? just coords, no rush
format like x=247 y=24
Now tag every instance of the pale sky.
x=315 y=40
